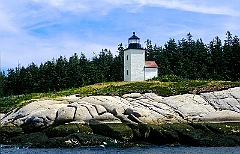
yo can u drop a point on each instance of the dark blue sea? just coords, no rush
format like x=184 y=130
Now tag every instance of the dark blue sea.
x=137 y=150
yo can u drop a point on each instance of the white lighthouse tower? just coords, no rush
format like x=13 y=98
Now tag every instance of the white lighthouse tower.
x=134 y=60
x=135 y=66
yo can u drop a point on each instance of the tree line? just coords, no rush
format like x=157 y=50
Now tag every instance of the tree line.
x=62 y=73
x=192 y=59
x=186 y=58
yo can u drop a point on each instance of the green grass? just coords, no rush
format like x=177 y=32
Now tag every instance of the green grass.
x=119 y=89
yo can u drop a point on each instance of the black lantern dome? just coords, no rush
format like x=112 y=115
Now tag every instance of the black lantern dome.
x=134 y=42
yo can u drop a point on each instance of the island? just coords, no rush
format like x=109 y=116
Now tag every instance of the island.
x=196 y=119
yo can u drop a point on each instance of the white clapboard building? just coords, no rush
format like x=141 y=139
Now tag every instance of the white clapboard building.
x=135 y=66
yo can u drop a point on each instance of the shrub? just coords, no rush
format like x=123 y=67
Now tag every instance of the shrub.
x=168 y=78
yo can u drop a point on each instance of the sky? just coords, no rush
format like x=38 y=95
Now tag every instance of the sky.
x=40 y=30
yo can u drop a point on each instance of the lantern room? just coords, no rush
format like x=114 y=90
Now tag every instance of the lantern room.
x=134 y=42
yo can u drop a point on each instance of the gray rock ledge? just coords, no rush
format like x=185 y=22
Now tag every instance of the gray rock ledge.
x=149 y=108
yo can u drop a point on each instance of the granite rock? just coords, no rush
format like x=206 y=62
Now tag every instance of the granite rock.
x=217 y=106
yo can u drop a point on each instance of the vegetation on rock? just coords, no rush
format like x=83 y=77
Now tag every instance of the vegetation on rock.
x=122 y=135
x=117 y=131
x=64 y=130
x=119 y=89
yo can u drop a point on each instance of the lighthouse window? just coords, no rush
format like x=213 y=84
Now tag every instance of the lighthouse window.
x=127 y=57
x=127 y=72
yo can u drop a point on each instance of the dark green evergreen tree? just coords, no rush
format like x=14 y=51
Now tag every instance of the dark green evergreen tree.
x=48 y=77
x=118 y=64
x=61 y=73
x=235 y=75
x=216 y=64
x=201 y=59
x=163 y=62
x=85 y=70
x=102 y=66
x=2 y=83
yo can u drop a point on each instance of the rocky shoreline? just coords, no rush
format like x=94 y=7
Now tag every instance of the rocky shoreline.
x=205 y=119
x=123 y=135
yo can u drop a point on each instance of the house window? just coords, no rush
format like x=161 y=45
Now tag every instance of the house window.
x=127 y=72
x=127 y=57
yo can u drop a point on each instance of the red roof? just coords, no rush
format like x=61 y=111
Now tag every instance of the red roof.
x=150 y=64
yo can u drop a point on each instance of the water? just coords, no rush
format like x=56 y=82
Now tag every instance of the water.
x=137 y=150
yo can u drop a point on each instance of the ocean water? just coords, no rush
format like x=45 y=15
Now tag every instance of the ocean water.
x=137 y=150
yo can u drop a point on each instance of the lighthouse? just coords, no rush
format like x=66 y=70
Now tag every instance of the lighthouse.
x=135 y=66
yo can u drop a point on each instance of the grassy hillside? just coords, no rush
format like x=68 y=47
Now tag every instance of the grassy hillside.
x=120 y=88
